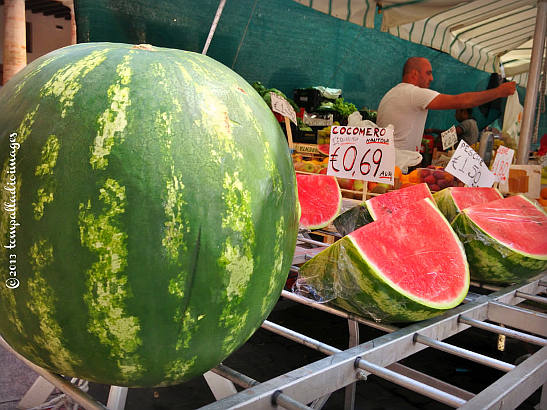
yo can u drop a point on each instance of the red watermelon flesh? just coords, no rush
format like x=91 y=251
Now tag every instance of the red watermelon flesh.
x=399 y=199
x=418 y=253
x=320 y=199
x=464 y=197
x=515 y=222
x=323 y=148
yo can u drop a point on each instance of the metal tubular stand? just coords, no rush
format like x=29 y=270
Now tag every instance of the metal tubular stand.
x=341 y=369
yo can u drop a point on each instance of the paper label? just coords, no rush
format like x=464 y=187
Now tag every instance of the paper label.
x=449 y=138
x=282 y=106
x=502 y=163
x=468 y=167
x=362 y=153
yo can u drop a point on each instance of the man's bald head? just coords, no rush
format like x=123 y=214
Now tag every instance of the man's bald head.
x=417 y=71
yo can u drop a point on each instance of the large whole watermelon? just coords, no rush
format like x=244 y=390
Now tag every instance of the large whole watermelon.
x=149 y=213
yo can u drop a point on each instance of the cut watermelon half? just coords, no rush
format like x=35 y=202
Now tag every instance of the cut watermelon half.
x=505 y=240
x=380 y=206
x=404 y=267
x=320 y=200
x=451 y=201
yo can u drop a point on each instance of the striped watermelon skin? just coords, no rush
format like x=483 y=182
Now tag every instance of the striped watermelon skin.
x=493 y=261
x=157 y=207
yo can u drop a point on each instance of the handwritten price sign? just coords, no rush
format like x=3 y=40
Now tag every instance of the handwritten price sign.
x=468 y=167
x=282 y=106
x=449 y=138
x=502 y=162
x=362 y=153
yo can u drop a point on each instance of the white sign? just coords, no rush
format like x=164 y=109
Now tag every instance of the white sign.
x=282 y=106
x=449 y=137
x=362 y=153
x=502 y=162
x=468 y=167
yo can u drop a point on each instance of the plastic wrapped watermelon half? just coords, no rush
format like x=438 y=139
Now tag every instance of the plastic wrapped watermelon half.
x=505 y=240
x=151 y=213
x=404 y=267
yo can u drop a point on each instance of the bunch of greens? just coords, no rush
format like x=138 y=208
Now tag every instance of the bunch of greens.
x=265 y=94
x=344 y=108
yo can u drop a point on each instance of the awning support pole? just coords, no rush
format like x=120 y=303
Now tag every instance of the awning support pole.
x=530 y=99
x=213 y=26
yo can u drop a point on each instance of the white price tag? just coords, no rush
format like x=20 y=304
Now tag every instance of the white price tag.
x=468 y=167
x=282 y=106
x=449 y=138
x=362 y=153
x=502 y=163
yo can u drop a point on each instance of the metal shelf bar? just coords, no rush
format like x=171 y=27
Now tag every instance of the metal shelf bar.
x=466 y=354
x=79 y=396
x=346 y=315
x=411 y=384
x=525 y=337
x=514 y=387
x=515 y=316
x=234 y=376
x=281 y=399
x=533 y=298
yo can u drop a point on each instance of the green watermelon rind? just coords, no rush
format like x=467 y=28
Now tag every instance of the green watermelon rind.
x=445 y=202
x=491 y=260
x=365 y=290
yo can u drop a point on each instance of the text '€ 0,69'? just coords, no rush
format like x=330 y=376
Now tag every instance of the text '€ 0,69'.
x=364 y=153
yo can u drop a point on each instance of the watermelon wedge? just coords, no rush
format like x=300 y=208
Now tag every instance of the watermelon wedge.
x=380 y=206
x=320 y=200
x=323 y=148
x=452 y=200
x=404 y=267
x=505 y=240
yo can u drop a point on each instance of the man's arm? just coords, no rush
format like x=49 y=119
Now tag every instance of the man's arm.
x=471 y=99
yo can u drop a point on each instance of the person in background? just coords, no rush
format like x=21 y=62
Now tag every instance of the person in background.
x=406 y=105
x=467 y=129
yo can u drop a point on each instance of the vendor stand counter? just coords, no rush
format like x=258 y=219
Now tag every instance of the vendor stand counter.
x=310 y=386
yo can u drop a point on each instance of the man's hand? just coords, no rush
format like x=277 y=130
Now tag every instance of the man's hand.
x=507 y=89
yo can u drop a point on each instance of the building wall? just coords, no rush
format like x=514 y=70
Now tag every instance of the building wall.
x=48 y=33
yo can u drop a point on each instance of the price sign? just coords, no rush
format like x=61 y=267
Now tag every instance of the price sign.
x=502 y=162
x=282 y=106
x=468 y=167
x=362 y=153
x=449 y=138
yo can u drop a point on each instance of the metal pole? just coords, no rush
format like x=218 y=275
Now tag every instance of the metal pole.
x=533 y=298
x=313 y=242
x=213 y=26
x=321 y=306
x=467 y=354
x=411 y=384
x=234 y=376
x=79 y=396
x=278 y=398
x=503 y=330
x=533 y=83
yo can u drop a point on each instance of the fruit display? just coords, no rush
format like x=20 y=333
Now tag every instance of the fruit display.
x=320 y=200
x=505 y=240
x=312 y=166
x=153 y=213
x=435 y=178
x=451 y=201
x=392 y=270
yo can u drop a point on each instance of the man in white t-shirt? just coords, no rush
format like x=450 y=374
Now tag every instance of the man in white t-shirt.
x=405 y=106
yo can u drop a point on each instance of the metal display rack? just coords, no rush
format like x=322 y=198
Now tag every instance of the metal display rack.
x=311 y=385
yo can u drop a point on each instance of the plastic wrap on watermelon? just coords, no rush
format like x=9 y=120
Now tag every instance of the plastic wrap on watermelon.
x=405 y=267
x=380 y=206
x=505 y=240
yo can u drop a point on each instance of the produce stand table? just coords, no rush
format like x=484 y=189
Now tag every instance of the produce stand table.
x=315 y=382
